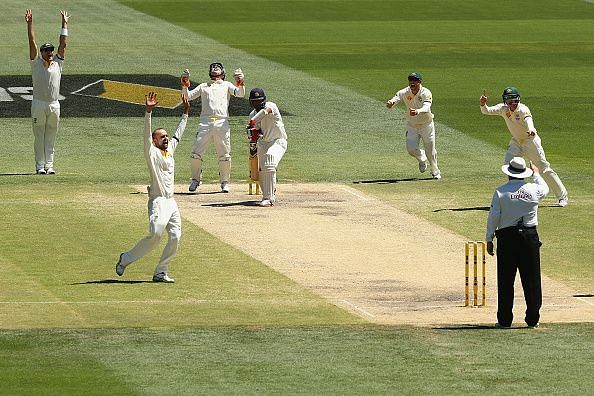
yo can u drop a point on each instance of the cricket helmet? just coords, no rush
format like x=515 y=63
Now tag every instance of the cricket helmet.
x=216 y=69
x=46 y=47
x=511 y=93
x=415 y=76
x=257 y=98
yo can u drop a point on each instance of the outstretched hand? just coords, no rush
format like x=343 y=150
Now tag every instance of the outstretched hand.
x=484 y=98
x=65 y=16
x=28 y=16
x=151 y=101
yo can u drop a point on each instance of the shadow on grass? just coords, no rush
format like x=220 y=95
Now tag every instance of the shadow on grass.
x=226 y=204
x=111 y=281
x=388 y=181
x=483 y=208
x=18 y=174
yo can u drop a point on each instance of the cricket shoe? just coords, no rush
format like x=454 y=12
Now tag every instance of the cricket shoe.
x=119 y=268
x=50 y=171
x=194 y=185
x=563 y=201
x=225 y=187
x=422 y=166
x=266 y=203
x=436 y=176
x=163 y=277
x=40 y=171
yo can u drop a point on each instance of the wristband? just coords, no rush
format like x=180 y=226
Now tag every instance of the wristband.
x=64 y=32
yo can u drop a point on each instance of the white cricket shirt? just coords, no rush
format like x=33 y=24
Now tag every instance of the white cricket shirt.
x=271 y=124
x=422 y=101
x=46 y=80
x=161 y=165
x=215 y=96
x=519 y=122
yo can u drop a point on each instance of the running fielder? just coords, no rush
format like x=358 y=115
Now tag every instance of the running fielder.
x=419 y=122
x=267 y=127
x=525 y=141
x=214 y=124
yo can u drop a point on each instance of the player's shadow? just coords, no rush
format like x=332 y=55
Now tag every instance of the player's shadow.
x=475 y=327
x=228 y=204
x=18 y=174
x=389 y=181
x=483 y=208
x=111 y=281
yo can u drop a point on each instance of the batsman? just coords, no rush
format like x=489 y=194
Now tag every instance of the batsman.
x=266 y=127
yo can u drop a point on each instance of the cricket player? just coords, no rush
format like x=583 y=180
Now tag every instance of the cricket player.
x=46 y=71
x=419 y=122
x=266 y=125
x=214 y=124
x=162 y=209
x=524 y=141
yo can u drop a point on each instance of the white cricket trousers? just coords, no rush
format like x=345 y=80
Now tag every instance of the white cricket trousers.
x=269 y=156
x=414 y=135
x=216 y=129
x=163 y=216
x=532 y=148
x=46 y=118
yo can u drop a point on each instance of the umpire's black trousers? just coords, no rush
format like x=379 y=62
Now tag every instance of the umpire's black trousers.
x=518 y=248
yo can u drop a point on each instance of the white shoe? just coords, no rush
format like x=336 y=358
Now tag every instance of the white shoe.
x=436 y=176
x=422 y=166
x=194 y=185
x=119 y=268
x=50 y=171
x=162 y=277
x=563 y=201
x=266 y=203
x=40 y=171
x=225 y=187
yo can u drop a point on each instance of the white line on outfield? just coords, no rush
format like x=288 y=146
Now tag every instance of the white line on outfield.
x=356 y=193
x=356 y=308
x=107 y=302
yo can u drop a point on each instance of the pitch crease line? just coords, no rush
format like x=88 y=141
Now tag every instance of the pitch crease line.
x=356 y=308
x=356 y=193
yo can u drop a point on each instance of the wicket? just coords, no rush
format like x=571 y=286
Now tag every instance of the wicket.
x=475 y=254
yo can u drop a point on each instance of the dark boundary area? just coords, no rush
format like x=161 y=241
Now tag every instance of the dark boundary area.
x=88 y=106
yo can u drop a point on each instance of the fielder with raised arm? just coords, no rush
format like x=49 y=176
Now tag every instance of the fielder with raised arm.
x=46 y=71
x=419 y=122
x=214 y=124
x=266 y=125
x=525 y=141
x=162 y=209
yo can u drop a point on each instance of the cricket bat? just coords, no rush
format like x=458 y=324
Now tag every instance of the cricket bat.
x=253 y=166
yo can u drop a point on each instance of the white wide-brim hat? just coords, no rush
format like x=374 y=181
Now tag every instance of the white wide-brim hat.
x=517 y=168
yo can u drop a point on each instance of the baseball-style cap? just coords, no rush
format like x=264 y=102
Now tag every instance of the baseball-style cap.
x=415 y=76
x=46 y=47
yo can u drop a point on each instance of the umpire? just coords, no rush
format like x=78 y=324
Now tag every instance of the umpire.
x=513 y=219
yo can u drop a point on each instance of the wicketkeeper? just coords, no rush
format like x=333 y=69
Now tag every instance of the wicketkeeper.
x=267 y=127
x=214 y=124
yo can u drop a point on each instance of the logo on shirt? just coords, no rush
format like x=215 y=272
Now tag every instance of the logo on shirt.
x=521 y=194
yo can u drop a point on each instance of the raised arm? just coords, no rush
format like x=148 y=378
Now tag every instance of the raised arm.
x=63 y=34
x=181 y=126
x=31 y=34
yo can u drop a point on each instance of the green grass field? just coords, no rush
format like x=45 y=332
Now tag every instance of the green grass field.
x=230 y=325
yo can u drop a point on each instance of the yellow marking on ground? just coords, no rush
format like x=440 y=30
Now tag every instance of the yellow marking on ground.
x=135 y=93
